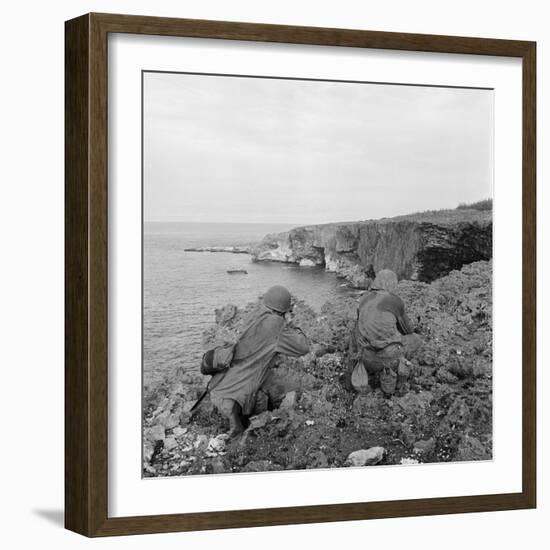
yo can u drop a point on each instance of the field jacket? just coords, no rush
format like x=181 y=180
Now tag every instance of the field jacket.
x=266 y=335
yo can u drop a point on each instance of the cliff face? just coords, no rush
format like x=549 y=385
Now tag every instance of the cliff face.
x=420 y=247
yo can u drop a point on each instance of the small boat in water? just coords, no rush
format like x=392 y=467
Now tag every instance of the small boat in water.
x=243 y=271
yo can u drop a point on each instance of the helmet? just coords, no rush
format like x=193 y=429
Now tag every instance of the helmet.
x=277 y=298
x=385 y=279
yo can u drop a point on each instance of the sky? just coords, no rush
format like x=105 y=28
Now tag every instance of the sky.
x=241 y=149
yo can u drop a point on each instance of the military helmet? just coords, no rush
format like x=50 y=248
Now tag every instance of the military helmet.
x=277 y=298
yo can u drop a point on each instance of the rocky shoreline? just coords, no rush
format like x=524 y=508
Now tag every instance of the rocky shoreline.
x=227 y=249
x=445 y=413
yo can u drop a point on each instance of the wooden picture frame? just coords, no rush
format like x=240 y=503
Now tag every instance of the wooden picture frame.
x=86 y=280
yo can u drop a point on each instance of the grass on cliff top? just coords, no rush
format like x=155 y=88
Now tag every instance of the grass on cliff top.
x=480 y=211
x=483 y=205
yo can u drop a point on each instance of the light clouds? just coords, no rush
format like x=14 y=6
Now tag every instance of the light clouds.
x=236 y=149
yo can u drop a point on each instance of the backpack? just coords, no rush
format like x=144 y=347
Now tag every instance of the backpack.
x=217 y=359
x=360 y=378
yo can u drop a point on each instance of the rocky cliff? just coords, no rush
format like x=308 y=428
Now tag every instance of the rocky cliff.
x=419 y=247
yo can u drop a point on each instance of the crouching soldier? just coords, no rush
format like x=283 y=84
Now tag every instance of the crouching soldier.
x=237 y=392
x=383 y=335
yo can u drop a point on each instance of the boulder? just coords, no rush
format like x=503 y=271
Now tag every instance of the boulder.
x=148 y=450
x=470 y=448
x=201 y=441
x=170 y=443
x=179 y=432
x=317 y=459
x=366 y=457
x=414 y=403
x=446 y=377
x=406 y=461
x=155 y=433
x=259 y=421
x=216 y=445
x=169 y=421
x=217 y=466
x=289 y=400
x=424 y=446
x=458 y=415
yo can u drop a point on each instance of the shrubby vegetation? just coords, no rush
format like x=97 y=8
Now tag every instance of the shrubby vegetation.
x=483 y=205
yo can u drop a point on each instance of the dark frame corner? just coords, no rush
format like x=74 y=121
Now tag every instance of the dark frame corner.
x=86 y=510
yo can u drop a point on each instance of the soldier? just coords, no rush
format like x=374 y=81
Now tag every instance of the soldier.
x=237 y=392
x=383 y=335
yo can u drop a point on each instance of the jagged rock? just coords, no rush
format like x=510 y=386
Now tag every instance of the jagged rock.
x=414 y=403
x=317 y=459
x=366 y=457
x=168 y=420
x=470 y=448
x=315 y=402
x=369 y=404
x=461 y=367
x=217 y=466
x=481 y=367
x=155 y=433
x=309 y=361
x=162 y=406
x=262 y=466
x=201 y=441
x=170 y=443
x=225 y=314
x=288 y=377
x=424 y=446
x=148 y=450
x=444 y=376
x=259 y=421
x=216 y=444
x=356 y=276
x=289 y=400
x=178 y=432
x=405 y=433
x=187 y=378
x=458 y=414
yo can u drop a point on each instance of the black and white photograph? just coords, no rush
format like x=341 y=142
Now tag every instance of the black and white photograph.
x=316 y=274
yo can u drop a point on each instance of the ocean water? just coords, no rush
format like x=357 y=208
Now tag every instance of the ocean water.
x=182 y=289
